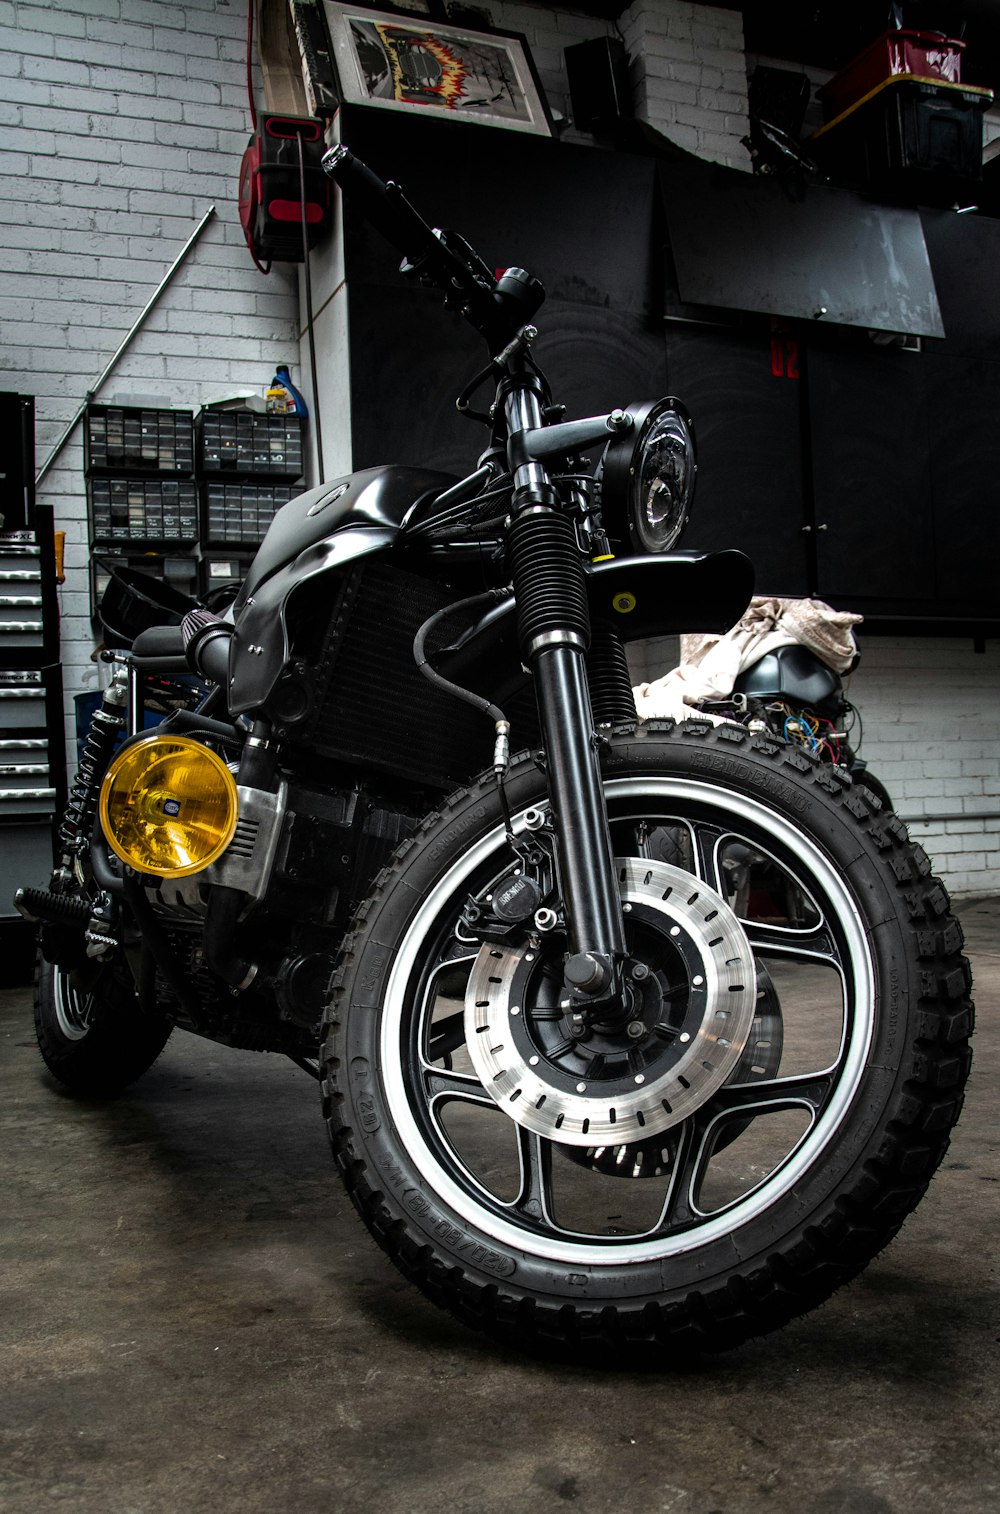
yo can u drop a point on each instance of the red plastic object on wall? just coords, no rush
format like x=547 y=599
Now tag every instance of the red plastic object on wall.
x=271 y=189
x=926 y=57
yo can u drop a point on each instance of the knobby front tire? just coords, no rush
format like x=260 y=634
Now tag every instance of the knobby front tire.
x=775 y=1189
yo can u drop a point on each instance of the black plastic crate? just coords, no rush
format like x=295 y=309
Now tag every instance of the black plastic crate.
x=240 y=511
x=925 y=140
x=142 y=509
x=120 y=438
x=246 y=443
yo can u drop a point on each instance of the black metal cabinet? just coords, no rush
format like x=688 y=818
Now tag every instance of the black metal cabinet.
x=963 y=397
x=873 y=504
x=17 y=472
x=32 y=738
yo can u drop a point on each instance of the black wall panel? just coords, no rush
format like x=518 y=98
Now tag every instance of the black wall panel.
x=409 y=361
x=965 y=257
x=410 y=358
x=962 y=387
x=747 y=423
x=896 y=454
x=579 y=219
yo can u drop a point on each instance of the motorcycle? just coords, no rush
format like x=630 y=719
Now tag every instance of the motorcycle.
x=583 y=1096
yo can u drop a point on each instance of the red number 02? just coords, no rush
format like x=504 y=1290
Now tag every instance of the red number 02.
x=784 y=357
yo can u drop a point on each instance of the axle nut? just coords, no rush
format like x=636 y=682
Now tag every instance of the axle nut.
x=586 y=972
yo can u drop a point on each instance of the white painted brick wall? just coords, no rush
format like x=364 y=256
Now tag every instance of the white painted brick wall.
x=123 y=121
x=931 y=712
x=689 y=73
x=547 y=32
x=686 y=64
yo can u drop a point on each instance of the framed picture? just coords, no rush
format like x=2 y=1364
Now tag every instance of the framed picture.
x=403 y=62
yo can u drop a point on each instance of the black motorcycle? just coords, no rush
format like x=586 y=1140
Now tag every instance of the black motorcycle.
x=577 y=1096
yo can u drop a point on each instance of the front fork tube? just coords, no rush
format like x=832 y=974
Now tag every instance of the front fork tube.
x=554 y=631
x=596 y=937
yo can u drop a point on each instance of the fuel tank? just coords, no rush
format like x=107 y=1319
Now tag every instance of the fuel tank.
x=375 y=497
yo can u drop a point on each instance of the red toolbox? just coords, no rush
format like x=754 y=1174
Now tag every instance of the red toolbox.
x=927 y=57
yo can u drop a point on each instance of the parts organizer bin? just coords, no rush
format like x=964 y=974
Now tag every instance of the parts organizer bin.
x=140 y=464
x=241 y=512
x=143 y=509
x=245 y=442
x=129 y=439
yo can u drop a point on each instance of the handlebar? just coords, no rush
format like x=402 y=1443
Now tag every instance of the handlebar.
x=384 y=205
x=495 y=307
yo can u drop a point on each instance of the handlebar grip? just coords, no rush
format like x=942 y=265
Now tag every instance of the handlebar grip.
x=384 y=205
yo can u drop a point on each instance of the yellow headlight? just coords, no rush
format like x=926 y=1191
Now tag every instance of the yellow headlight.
x=168 y=806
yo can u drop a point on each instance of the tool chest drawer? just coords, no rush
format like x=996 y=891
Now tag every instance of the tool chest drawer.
x=29 y=623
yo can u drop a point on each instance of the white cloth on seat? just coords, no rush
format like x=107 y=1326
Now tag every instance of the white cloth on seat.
x=710 y=665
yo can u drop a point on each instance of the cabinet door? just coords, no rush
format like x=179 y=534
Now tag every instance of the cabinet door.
x=963 y=390
x=744 y=395
x=871 y=478
x=964 y=410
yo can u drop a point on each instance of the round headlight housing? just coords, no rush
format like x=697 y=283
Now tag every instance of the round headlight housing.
x=168 y=806
x=648 y=478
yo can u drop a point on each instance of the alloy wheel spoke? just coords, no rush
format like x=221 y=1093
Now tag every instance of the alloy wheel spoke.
x=696 y=1137
x=446 y=1036
x=440 y=1084
x=808 y=1091
x=815 y=945
x=534 y=1198
x=677 y=1211
x=707 y=857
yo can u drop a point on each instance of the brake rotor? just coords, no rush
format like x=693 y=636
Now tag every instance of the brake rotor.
x=690 y=1005
x=654 y=1156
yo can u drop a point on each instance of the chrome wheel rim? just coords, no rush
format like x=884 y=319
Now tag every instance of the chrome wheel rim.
x=73 y=1009
x=423 y=1078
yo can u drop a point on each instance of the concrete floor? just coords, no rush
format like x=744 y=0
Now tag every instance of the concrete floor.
x=193 y=1319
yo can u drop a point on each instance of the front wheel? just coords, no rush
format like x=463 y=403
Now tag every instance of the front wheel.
x=721 y=1157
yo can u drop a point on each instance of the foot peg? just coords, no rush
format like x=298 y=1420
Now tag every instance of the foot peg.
x=41 y=907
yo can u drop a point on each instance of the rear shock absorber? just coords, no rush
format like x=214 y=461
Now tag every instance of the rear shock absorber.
x=106 y=726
